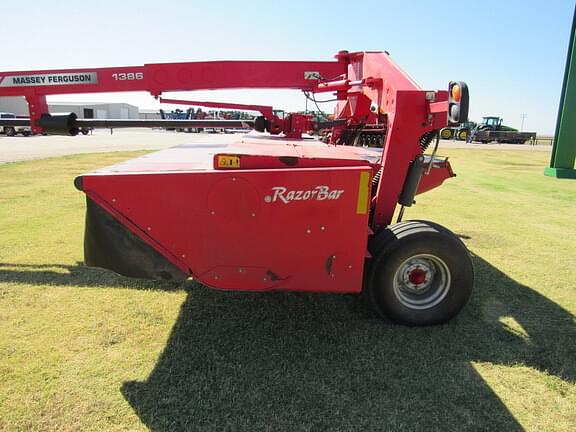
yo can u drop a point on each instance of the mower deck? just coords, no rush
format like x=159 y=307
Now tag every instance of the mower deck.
x=258 y=214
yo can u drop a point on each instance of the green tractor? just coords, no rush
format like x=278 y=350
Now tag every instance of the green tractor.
x=460 y=132
x=492 y=129
x=495 y=124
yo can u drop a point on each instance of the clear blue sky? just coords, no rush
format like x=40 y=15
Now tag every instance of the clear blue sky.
x=511 y=52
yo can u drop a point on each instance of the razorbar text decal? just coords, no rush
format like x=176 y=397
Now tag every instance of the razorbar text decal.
x=319 y=193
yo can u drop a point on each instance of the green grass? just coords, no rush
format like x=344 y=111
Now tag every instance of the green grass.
x=84 y=349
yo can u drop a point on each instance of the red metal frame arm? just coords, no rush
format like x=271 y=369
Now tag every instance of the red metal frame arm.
x=163 y=77
x=157 y=78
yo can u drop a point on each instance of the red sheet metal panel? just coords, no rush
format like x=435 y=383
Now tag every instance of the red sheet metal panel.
x=292 y=229
x=441 y=170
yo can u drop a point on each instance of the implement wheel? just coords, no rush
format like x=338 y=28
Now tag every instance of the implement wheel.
x=420 y=274
x=446 y=133
x=463 y=135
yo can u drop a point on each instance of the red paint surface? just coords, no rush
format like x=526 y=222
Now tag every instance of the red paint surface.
x=222 y=228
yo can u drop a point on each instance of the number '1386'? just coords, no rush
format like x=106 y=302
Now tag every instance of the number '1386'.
x=129 y=76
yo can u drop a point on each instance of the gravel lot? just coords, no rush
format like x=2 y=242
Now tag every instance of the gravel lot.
x=13 y=149
x=18 y=148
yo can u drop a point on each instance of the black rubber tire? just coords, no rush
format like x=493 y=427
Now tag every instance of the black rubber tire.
x=9 y=131
x=84 y=131
x=394 y=247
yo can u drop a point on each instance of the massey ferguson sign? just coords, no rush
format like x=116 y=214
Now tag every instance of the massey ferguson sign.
x=49 y=79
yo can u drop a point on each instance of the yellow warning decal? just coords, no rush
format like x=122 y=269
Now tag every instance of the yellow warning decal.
x=228 y=161
x=363 y=193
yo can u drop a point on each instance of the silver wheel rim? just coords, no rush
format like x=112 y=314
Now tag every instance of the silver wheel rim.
x=422 y=281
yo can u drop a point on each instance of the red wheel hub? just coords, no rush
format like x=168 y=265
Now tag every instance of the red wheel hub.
x=417 y=276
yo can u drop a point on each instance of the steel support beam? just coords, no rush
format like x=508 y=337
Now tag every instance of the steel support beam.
x=564 y=147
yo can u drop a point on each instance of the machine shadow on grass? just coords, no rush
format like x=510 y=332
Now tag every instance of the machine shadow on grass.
x=289 y=361
x=294 y=361
x=78 y=275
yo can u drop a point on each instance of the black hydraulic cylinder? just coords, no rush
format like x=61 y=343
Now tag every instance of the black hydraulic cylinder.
x=69 y=124
x=411 y=183
x=116 y=123
x=59 y=124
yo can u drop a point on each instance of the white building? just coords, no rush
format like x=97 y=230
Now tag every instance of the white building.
x=150 y=114
x=96 y=110
x=18 y=106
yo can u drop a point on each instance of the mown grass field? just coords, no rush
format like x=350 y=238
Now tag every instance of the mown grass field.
x=84 y=349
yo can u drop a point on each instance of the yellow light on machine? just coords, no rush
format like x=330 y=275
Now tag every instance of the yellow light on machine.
x=457 y=102
x=456 y=93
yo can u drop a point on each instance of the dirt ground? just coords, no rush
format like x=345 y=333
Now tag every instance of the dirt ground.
x=14 y=149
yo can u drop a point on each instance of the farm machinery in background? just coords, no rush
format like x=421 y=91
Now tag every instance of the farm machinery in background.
x=190 y=114
x=276 y=210
x=178 y=114
x=460 y=132
x=492 y=129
